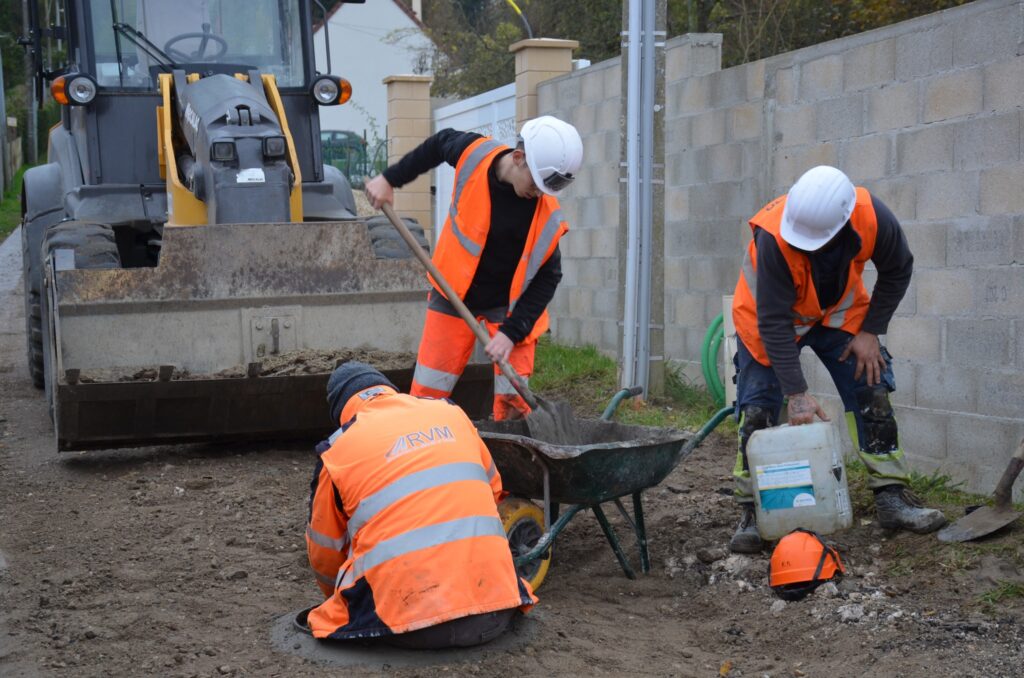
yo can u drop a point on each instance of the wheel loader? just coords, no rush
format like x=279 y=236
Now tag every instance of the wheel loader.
x=184 y=225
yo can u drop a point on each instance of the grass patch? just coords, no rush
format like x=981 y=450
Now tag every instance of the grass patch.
x=1004 y=591
x=587 y=379
x=10 y=206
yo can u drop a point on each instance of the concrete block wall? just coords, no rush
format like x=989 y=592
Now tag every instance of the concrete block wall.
x=585 y=307
x=926 y=114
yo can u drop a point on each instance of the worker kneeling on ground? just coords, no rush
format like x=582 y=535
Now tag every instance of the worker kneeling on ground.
x=801 y=285
x=498 y=248
x=404 y=536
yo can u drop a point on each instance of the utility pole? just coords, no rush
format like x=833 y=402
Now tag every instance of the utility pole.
x=32 y=121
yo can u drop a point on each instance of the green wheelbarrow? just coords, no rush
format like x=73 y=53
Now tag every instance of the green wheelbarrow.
x=612 y=461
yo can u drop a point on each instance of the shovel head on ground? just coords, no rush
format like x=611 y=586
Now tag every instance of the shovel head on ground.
x=988 y=519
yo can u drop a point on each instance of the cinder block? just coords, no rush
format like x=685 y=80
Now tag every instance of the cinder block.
x=983 y=142
x=606 y=302
x=947 y=387
x=581 y=302
x=821 y=78
x=683 y=238
x=981 y=441
x=926 y=150
x=908 y=305
x=724 y=162
x=568 y=91
x=953 y=95
x=745 y=121
x=547 y=98
x=947 y=195
x=1001 y=190
x=592 y=86
x=793 y=125
x=870 y=64
x=591 y=332
x=708 y=128
x=610 y=334
x=928 y=243
x=687 y=308
x=784 y=86
x=584 y=119
x=684 y=168
x=975 y=342
x=755 y=79
x=703 y=274
x=675 y=340
x=923 y=53
x=592 y=272
x=944 y=291
x=866 y=158
x=1004 y=85
x=998 y=291
x=899 y=195
x=915 y=338
x=922 y=433
x=677 y=204
x=604 y=240
x=694 y=96
x=892 y=107
x=609 y=114
x=676 y=274
x=987 y=36
x=1018 y=335
x=980 y=243
x=728 y=87
x=566 y=330
x=613 y=77
x=905 y=375
x=677 y=134
x=791 y=163
x=840 y=118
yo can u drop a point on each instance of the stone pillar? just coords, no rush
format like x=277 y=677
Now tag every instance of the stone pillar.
x=537 y=60
x=409 y=121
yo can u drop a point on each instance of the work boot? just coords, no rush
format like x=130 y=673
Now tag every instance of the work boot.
x=746 y=539
x=899 y=509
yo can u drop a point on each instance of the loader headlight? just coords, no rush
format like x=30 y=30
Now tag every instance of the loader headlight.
x=274 y=147
x=73 y=90
x=329 y=90
x=223 y=151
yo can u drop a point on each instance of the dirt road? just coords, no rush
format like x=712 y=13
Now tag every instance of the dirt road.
x=175 y=561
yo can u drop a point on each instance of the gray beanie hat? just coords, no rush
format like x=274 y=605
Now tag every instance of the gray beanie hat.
x=349 y=379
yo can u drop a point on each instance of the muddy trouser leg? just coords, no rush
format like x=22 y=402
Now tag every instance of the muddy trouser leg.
x=445 y=348
x=758 y=403
x=475 y=629
x=869 y=415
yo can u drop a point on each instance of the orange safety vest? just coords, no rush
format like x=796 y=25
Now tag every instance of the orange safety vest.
x=847 y=314
x=469 y=219
x=404 y=530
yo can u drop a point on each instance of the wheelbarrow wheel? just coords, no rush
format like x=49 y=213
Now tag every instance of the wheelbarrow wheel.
x=524 y=526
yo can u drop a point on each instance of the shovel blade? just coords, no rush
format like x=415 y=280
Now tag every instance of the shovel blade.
x=553 y=422
x=979 y=523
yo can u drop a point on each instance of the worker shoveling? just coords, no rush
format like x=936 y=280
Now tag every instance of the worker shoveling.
x=550 y=421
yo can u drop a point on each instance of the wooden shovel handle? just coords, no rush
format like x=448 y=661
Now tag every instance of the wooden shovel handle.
x=481 y=334
x=1013 y=469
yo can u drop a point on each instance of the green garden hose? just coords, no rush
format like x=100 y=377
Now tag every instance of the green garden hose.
x=708 y=359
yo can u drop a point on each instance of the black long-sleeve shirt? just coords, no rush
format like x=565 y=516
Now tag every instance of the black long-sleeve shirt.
x=830 y=268
x=511 y=217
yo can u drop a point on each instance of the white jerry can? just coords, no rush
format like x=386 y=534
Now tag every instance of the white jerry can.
x=799 y=480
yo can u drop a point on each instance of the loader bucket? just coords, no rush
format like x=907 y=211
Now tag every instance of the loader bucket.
x=164 y=354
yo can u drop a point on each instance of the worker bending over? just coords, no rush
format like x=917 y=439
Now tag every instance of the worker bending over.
x=801 y=285
x=404 y=535
x=498 y=248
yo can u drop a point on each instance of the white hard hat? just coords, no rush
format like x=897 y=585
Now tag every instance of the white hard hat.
x=817 y=207
x=554 y=152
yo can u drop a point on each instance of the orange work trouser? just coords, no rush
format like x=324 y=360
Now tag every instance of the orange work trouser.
x=445 y=348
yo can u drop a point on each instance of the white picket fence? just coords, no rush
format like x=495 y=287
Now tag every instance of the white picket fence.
x=492 y=114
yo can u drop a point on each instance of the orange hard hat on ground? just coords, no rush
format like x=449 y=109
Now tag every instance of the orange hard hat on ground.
x=801 y=562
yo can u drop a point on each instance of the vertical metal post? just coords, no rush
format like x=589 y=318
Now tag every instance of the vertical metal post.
x=31 y=122
x=632 y=162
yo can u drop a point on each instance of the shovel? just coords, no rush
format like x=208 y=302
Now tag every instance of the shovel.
x=988 y=519
x=551 y=422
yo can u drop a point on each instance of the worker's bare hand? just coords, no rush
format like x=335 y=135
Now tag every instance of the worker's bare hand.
x=802 y=408
x=379 y=191
x=499 y=347
x=866 y=347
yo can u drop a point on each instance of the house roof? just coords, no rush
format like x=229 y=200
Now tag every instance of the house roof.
x=317 y=25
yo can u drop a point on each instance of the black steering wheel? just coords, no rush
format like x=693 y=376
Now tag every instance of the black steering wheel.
x=205 y=38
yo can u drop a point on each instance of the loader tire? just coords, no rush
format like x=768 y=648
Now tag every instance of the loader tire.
x=386 y=241
x=95 y=247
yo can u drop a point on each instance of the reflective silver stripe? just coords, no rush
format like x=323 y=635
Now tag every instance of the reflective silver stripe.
x=435 y=379
x=540 y=248
x=491 y=471
x=502 y=386
x=334 y=436
x=749 y=274
x=838 y=316
x=461 y=179
x=801 y=330
x=410 y=484
x=324 y=579
x=321 y=539
x=422 y=538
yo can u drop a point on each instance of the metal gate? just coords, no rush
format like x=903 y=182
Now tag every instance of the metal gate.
x=492 y=114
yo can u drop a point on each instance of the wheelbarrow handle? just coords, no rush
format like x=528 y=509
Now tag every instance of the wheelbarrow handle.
x=481 y=334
